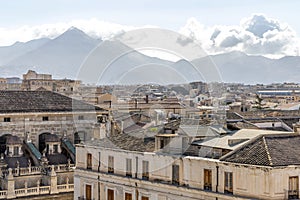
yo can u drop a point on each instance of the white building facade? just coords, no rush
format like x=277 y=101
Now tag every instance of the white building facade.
x=108 y=173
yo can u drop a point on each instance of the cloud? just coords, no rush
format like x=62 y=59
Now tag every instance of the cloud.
x=259 y=24
x=256 y=35
x=93 y=27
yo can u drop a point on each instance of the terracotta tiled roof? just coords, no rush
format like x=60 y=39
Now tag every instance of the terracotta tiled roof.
x=268 y=150
x=40 y=101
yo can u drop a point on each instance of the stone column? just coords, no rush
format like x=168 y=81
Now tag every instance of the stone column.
x=26 y=186
x=10 y=185
x=38 y=183
x=29 y=166
x=69 y=164
x=53 y=181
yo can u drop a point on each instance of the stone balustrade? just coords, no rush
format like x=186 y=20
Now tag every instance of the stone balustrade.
x=65 y=188
x=39 y=190
x=3 y=194
x=33 y=170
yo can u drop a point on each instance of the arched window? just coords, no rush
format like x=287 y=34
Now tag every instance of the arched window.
x=80 y=136
x=42 y=143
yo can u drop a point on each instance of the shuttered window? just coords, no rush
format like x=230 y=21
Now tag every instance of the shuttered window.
x=228 y=182
x=207 y=179
x=145 y=174
x=128 y=167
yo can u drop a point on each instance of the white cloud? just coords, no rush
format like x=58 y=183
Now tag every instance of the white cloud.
x=93 y=27
x=256 y=35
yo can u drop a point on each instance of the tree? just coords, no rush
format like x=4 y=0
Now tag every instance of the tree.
x=258 y=102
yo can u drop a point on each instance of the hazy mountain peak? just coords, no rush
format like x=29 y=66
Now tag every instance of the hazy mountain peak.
x=73 y=32
x=64 y=55
x=17 y=43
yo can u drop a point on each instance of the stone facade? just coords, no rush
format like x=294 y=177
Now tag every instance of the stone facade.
x=37 y=132
x=34 y=81
x=46 y=122
x=39 y=112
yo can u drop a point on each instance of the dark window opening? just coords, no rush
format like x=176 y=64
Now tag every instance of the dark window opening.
x=110 y=164
x=89 y=161
x=80 y=117
x=175 y=174
x=128 y=196
x=16 y=151
x=6 y=119
x=55 y=148
x=110 y=194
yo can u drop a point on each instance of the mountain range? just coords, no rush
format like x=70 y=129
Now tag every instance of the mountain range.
x=63 y=57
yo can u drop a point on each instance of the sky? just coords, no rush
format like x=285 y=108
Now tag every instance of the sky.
x=31 y=19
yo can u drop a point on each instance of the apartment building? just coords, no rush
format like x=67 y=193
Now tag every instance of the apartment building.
x=127 y=167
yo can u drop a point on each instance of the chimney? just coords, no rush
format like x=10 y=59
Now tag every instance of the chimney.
x=135 y=103
x=147 y=98
x=296 y=127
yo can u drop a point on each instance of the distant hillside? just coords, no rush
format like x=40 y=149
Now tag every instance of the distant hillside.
x=64 y=55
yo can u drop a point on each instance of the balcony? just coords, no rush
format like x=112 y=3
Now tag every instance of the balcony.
x=207 y=187
x=293 y=194
x=83 y=198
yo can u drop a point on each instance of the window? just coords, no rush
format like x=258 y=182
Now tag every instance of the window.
x=293 y=192
x=6 y=119
x=80 y=117
x=89 y=161
x=128 y=196
x=110 y=164
x=145 y=174
x=88 y=192
x=228 y=183
x=16 y=151
x=55 y=148
x=45 y=118
x=79 y=137
x=207 y=179
x=145 y=198
x=110 y=194
x=175 y=174
x=128 y=167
